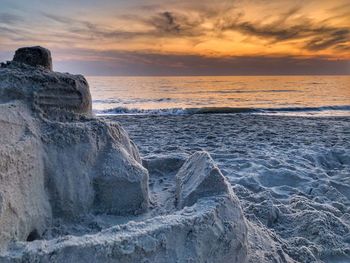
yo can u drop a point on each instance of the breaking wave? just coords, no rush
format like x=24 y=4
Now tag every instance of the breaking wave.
x=220 y=110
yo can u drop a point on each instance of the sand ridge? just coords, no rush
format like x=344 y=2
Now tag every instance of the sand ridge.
x=202 y=188
x=291 y=174
x=73 y=187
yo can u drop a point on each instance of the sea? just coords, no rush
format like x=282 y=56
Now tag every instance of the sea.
x=281 y=95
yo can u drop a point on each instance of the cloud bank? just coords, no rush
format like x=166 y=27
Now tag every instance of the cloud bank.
x=184 y=37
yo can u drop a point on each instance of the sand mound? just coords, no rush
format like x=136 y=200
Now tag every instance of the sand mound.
x=73 y=189
x=211 y=230
x=60 y=169
x=25 y=211
x=303 y=215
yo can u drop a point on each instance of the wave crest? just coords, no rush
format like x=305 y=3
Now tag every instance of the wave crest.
x=217 y=110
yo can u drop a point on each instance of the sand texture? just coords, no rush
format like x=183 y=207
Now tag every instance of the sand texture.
x=73 y=188
x=238 y=188
x=212 y=230
x=291 y=175
x=60 y=169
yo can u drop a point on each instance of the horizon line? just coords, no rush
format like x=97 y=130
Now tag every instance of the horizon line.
x=242 y=75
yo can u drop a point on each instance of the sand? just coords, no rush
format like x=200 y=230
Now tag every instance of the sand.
x=291 y=174
x=73 y=188
x=192 y=188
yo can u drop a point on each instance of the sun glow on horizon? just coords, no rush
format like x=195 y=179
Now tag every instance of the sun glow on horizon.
x=103 y=30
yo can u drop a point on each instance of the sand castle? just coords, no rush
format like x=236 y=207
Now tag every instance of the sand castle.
x=73 y=188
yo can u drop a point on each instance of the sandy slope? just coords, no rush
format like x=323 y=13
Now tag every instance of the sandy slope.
x=291 y=174
x=73 y=188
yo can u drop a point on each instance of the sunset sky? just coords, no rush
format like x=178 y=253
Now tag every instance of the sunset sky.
x=180 y=37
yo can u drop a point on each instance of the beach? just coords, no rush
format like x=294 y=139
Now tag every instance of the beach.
x=291 y=174
x=206 y=184
x=175 y=131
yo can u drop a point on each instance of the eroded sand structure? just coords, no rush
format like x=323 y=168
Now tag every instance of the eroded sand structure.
x=73 y=187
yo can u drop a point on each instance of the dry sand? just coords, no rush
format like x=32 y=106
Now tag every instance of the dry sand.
x=73 y=188
x=209 y=188
x=291 y=174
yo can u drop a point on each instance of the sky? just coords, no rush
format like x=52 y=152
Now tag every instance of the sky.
x=168 y=37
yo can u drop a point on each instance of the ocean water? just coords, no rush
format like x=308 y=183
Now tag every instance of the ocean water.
x=287 y=95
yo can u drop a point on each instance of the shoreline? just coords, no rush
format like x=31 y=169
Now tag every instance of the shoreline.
x=322 y=111
x=198 y=187
x=73 y=188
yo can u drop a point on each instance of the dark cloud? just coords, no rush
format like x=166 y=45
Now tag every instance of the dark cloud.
x=71 y=24
x=8 y=26
x=175 y=24
x=166 y=22
x=342 y=47
x=161 y=23
x=88 y=30
x=333 y=38
x=287 y=26
x=9 y=19
x=318 y=35
x=148 y=64
x=276 y=33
